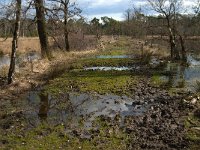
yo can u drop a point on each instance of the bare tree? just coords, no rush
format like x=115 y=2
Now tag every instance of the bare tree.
x=96 y=27
x=196 y=8
x=128 y=15
x=169 y=10
x=41 y=27
x=64 y=10
x=15 y=41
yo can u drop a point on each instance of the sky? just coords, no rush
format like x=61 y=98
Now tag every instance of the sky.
x=114 y=8
x=110 y=8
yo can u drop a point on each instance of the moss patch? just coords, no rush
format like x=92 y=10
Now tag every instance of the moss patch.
x=113 y=62
x=47 y=137
x=117 y=82
x=156 y=80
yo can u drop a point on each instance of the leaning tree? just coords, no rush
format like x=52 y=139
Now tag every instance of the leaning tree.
x=15 y=40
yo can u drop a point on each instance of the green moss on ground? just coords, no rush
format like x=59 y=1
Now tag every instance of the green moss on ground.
x=47 y=137
x=156 y=80
x=94 y=62
x=102 y=82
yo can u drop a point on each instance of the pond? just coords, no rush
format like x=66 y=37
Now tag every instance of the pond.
x=73 y=107
x=182 y=76
x=32 y=56
x=108 y=68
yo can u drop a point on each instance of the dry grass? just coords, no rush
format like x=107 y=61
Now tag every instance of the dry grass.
x=4 y=71
x=63 y=60
x=29 y=44
x=25 y=45
x=43 y=70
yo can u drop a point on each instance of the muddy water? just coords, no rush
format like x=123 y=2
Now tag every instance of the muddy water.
x=73 y=108
x=32 y=56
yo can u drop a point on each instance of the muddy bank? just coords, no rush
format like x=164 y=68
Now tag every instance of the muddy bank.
x=161 y=126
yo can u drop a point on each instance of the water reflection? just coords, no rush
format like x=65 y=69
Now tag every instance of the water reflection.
x=181 y=76
x=44 y=106
x=109 y=68
x=73 y=108
x=32 y=56
x=4 y=61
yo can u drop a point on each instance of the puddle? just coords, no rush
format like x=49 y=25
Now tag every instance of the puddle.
x=108 y=68
x=155 y=62
x=111 y=68
x=4 y=61
x=193 y=61
x=32 y=56
x=115 y=56
x=73 y=107
x=183 y=76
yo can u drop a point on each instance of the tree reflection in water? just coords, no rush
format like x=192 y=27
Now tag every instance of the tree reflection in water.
x=44 y=107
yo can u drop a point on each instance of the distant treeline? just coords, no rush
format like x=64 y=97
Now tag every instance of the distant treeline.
x=137 y=26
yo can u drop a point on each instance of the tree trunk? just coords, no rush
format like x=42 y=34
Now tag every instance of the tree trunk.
x=174 y=51
x=66 y=33
x=44 y=107
x=183 y=51
x=41 y=28
x=15 y=42
x=172 y=40
x=66 y=39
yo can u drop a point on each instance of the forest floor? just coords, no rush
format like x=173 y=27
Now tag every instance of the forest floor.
x=114 y=97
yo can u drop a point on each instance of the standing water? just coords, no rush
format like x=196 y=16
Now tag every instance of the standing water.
x=32 y=56
x=71 y=107
x=182 y=76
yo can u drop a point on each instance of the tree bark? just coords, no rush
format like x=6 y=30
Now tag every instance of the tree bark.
x=41 y=28
x=183 y=51
x=66 y=32
x=15 y=41
x=172 y=40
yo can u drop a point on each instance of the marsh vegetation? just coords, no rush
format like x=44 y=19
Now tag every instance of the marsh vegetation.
x=100 y=85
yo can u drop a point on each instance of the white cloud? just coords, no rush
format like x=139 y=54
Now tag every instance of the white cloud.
x=189 y=3
x=116 y=8
x=97 y=3
x=104 y=2
x=116 y=16
x=139 y=3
